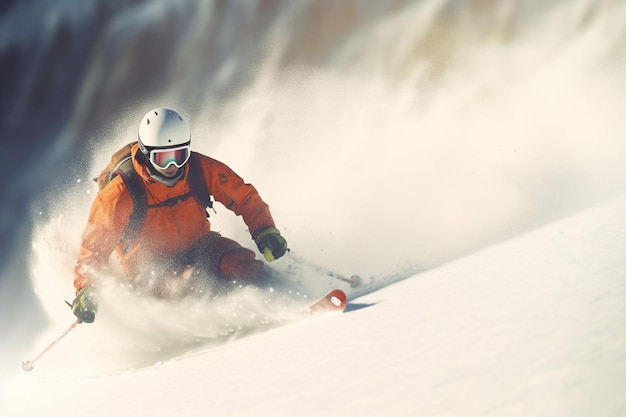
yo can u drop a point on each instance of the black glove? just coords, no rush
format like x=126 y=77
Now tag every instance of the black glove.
x=271 y=244
x=85 y=305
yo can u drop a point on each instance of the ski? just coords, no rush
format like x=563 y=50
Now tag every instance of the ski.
x=334 y=301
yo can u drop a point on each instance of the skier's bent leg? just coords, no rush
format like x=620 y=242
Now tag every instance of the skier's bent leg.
x=241 y=263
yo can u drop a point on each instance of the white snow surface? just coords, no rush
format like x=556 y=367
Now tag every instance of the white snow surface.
x=465 y=158
x=533 y=326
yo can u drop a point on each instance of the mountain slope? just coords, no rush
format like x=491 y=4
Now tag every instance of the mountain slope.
x=535 y=326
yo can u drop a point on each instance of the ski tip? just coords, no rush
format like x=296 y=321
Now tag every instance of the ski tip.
x=337 y=298
x=334 y=301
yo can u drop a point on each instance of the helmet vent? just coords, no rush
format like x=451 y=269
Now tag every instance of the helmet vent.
x=162 y=127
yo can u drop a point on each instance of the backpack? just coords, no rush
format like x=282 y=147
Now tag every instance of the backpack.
x=121 y=164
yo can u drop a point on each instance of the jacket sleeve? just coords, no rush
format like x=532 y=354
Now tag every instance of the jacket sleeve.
x=235 y=194
x=108 y=216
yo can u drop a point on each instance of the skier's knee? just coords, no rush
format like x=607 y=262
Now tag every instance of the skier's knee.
x=241 y=263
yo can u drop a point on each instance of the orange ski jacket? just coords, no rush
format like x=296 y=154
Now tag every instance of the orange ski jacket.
x=167 y=230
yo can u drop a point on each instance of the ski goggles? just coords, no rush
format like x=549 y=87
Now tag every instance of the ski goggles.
x=163 y=158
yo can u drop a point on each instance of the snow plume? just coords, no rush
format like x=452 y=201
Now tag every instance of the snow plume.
x=439 y=129
x=133 y=329
x=383 y=135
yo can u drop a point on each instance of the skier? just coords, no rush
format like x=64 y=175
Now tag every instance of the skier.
x=175 y=240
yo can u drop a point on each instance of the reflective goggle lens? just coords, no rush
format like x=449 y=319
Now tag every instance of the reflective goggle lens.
x=163 y=158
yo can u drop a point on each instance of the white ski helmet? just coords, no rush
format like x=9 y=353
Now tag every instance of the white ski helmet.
x=162 y=128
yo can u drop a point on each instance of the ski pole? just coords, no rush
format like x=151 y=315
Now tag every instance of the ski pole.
x=354 y=280
x=28 y=365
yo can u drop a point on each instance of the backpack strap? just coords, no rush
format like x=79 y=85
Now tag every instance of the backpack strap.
x=170 y=202
x=198 y=186
x=140 y=207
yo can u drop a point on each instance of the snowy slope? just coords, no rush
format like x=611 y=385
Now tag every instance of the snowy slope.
x=386 y=137
x=531 y=327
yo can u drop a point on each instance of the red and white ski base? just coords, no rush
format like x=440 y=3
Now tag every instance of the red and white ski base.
x=334 y=301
